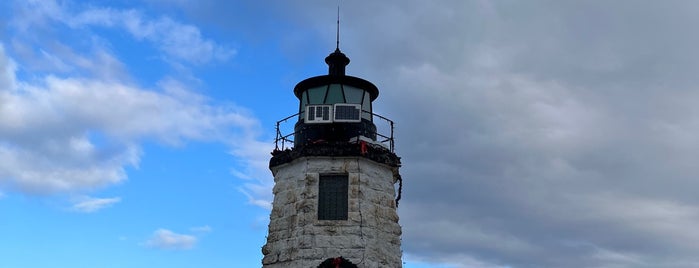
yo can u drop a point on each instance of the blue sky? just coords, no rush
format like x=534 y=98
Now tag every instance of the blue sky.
x=133 y=145
x=532 y=134
x=137 y=136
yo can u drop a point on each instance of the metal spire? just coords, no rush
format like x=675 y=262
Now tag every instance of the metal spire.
x=337 y=40
x=337 y=60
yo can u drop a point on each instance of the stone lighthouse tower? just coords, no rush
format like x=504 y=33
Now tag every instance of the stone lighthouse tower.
x=335 y=192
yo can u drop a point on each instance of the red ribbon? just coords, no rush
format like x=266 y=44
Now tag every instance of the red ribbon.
x=362 y=147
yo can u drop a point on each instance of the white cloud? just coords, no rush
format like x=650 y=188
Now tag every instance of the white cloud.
x=88 y=204
x=258 y=194
x=166 y=239
x=201 y=229
x=178 y=41
x=36 y=12
x=7 y=72
x=77 y=121
x=254 y=157
x=68 y=134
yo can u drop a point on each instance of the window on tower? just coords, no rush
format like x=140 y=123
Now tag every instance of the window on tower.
x=332 y=197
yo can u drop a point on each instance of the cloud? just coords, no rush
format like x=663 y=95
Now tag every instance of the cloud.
x=67 y=134
x=7 y=71
x=74 y=120
x=177 y=41
x=168 y=240
x=88 y=204
x=201 y=229
x=258 y=194
x=553 y=135
x=255 y=160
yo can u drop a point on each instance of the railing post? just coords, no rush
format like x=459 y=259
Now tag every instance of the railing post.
x=276 y=139
x=392 y=145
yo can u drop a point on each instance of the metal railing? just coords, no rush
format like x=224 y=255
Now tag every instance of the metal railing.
x=282 y=139
x=388 y=138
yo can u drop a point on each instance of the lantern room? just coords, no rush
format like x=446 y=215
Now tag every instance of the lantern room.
x=334 y=107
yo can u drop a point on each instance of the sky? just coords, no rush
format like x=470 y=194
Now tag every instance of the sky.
x=532 y=133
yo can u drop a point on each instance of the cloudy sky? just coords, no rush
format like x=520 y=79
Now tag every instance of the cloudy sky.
x=532 y=133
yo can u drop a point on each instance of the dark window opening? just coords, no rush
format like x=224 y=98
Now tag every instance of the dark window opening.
x=332 y=197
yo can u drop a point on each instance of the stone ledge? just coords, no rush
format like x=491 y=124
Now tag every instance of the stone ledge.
x=376 y=153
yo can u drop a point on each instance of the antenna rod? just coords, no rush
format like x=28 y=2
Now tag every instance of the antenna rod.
x=337 y=40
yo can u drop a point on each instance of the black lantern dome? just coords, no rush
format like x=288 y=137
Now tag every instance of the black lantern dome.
x=334 y=107
x=335 y=118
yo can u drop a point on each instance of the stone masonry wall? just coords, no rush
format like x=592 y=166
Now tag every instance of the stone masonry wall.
x=369 y=238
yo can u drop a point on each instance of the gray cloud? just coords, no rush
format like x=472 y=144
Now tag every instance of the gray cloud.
x=537 y=134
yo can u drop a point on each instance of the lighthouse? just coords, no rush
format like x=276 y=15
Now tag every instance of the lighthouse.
x=337 y=182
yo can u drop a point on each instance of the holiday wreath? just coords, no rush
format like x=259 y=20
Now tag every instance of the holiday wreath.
x=338 y=262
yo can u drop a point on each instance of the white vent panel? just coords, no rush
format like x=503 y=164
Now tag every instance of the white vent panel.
x=318 y=114
x=351 y=113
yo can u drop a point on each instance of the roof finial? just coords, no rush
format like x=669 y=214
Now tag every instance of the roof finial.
x=337 y=38
x=337 y=60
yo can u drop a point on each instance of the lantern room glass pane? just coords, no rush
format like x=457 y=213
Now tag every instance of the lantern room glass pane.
x=353 y=94
x=366 y=107
x=304 y=102
x=335 y=95
x=316 y=95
